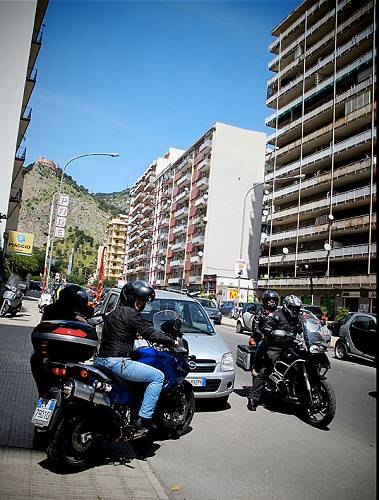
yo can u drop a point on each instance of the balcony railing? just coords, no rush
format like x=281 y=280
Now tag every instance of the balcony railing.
x=177 y=263
x=203 y=183
x=182 y=212
x=201 y=202
x=174 y=281
x=205 y=147
x=182 y=196
x=196 y=259
x=194 y=279
x=185 y=179
x=162 y=236
x=204 y=165
x=316 y=206
x=348 y=252
x=320 y=282
x=198 y=239
x=180 y=229
x=178 y=246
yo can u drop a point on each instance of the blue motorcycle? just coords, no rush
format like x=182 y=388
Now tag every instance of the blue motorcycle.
x=86 y=405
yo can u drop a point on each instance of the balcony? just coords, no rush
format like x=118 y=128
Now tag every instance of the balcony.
x=202 y=183
x=185 y=163
x=174 y=281
x=178 y=246
x=177 y=263
x=182 y=212
x=201 y=202
x=194 y=279
x=345 y=253
x=196 y=259
x=321 y=282
x=147 y=209
x=204 y=165
x=184 y=179
x=182 y=196
x=198 y=240
x=205 y=147
x=162 y=236
x=180 y=229
x=136 y=217
x=349 y=198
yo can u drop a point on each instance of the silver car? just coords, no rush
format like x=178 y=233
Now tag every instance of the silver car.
x=357 y=337
x=212 y=373
x=211 y=309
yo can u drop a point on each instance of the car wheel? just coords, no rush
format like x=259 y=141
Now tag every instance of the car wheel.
x=239 y=327
x=340 y=351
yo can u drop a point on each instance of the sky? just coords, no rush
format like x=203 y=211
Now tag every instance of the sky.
x=136 y=77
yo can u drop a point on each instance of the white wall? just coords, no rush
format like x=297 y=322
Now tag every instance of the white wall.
x=16 y=29
x=237 y=162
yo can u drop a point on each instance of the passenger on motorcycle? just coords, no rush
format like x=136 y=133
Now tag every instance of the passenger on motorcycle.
x=286 y=319
x=270 y=302
x=72 y=305
x=120 y=330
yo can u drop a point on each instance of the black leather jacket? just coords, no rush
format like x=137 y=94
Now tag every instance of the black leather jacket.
x=258 y=324
x=279 y=321
x=120 y=330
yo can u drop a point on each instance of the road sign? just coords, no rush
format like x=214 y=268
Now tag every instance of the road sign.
x=63 y=200
x=59 y=232
x=240 y=268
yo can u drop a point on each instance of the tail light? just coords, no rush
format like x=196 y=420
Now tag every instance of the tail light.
x=68 y=331
x=43 y=347
x=61 y=372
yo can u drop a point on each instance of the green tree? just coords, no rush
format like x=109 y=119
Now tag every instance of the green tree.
x=21 y=264
x=341 y=312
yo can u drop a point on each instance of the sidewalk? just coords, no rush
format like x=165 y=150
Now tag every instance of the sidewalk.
x=24 y=472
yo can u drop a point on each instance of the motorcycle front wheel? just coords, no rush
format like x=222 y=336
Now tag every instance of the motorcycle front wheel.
x=4 y=309
x=175 y=421
x=321 y=412
x=73 y=444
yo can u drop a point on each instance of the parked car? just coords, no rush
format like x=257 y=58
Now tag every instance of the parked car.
x=316 y=310
x=211 y=309
x=227 y=307
x=357 y=337
x=35 y=285
x=245 y=321
x=335 y=326
x=212 y=373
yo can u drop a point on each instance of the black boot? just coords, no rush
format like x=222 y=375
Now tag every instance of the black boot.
x=143 y=423
x=251 y=404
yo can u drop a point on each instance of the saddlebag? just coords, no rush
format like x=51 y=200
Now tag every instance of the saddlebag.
x=245 y=356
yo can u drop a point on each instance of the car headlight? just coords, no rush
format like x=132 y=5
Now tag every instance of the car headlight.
x=227 y=363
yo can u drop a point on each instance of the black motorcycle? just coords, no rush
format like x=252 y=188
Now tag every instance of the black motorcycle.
x=299 y=376
x=86 y=405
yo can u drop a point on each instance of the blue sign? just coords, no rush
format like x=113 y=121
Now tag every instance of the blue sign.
x=20 y=238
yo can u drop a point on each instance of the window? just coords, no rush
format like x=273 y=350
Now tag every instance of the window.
x=112 y=302
x=362 y=322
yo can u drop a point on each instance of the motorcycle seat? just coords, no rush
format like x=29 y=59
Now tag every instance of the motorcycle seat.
x=126 y=384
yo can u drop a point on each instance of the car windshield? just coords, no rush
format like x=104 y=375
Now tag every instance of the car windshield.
x=207 y=303
x=190 y=313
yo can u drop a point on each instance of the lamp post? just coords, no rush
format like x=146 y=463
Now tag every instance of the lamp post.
x=310 y=274
x=46 y=279
x=254 y=186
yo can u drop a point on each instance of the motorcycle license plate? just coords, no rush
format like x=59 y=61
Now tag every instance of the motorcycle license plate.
x=43 y=412
x=198 y=382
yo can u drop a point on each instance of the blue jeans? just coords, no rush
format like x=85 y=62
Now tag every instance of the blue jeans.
x=137 y=372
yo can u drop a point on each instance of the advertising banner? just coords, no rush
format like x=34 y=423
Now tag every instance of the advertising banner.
x=240 y=268
x=21 y=243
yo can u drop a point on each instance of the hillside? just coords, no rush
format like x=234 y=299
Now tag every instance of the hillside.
x=87 y=215
x=116 y=203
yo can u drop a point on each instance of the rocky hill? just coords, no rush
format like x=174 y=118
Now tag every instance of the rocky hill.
x=87 y=217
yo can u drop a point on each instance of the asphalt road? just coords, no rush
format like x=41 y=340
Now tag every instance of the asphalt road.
x=236 y=454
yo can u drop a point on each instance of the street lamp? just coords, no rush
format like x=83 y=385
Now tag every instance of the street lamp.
x=310 y=274
x=254 y=186
x=52 y=237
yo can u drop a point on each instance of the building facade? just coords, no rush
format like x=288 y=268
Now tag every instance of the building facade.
x=319 y=232
x=187 y=209
x=115 y=247
x=20 y=43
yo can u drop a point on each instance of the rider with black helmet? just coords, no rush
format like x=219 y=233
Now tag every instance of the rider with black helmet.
x=287 y=319
x=72 y=304
x=120 y=330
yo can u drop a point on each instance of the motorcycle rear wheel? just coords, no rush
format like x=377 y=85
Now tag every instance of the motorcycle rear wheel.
x=67 y=447
x=323 y=409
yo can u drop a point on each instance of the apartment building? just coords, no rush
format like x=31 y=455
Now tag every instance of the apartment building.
x=115 y=247
x=319 y=231
x=187 y=208
x=20 y=43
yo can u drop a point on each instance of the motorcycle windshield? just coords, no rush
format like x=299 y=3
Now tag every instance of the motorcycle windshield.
x=162 y=316
x=315 y=332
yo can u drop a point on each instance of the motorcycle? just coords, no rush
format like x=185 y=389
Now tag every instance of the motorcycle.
x=45 y=299
x=12 y=300
x=299 y=376
x=86 y=405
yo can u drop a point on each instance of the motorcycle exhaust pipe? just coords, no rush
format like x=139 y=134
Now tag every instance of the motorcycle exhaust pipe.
x=80 y=390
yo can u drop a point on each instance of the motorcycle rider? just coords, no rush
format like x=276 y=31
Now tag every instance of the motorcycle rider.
x=287 y=319
x=120 y=330
x=72 y=305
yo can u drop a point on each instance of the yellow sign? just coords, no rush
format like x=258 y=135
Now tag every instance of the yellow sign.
x=21 y=243
x=233 y=293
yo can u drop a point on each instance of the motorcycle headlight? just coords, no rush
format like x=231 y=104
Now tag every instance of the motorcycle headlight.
x=316 y=349
x=227 y=363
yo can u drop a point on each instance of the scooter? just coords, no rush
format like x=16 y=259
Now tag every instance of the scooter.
x=45 y=300
x=12 y=300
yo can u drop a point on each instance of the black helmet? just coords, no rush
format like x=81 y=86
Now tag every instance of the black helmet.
x=136 y=290
x=74 y=296
x=291 y=306
x=270 y=300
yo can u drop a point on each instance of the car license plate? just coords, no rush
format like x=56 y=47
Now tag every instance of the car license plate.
x=43 y=412
x=198 y=382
